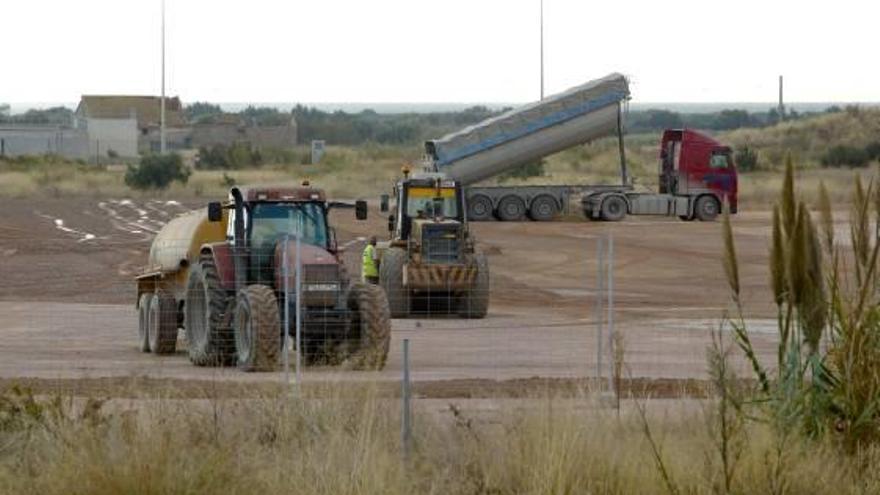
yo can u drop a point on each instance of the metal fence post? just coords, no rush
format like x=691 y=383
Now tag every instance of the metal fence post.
x=285 y=352
x=600 y=285
x=406 y=423
x=610 y=268
x=299 y=309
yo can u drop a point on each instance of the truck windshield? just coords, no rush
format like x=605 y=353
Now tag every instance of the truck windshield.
x=272 y=221
x=420 y=202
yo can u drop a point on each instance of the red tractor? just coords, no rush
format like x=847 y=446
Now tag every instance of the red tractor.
x=220 y=274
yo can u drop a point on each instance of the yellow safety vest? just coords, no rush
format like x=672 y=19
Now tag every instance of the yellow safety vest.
x=369 y=269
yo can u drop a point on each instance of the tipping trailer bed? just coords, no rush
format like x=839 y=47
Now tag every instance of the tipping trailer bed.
x=527 y=134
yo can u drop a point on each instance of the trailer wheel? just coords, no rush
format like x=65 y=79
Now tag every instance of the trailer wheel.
x=543 y=208
x=209 y=337
x=479 y=208
x=144 y=321
x=474 y=303
x=163 y=323
x=706 y=209
x=371 y=323
x=257 y=329
x=391 y=279
x=613 y=209
x=511 y=209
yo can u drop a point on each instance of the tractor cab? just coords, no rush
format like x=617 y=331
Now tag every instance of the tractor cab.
x=269 y=215
x=423 y=199
x=692 y=164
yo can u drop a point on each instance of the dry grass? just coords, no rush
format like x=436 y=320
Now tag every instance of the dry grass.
x=807 y=139
x=367 y=171
x=351 y=445
x=344 y=172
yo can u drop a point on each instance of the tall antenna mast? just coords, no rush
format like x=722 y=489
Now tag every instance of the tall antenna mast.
x=162 y=98
x=542 y=49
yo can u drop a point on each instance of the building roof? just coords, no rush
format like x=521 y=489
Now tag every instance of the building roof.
x=146 y=109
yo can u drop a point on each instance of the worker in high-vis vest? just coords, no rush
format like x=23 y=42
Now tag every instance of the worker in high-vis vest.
x=370 y=270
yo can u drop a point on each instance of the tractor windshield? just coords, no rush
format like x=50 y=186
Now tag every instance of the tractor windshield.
x=420 y=202
x=272 y=221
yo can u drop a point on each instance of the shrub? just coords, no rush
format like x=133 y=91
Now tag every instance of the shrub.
x=525 y=171
x=222 y=157
x=845 y=156
x=873 y=150
x=746 y=159
x=157 y=172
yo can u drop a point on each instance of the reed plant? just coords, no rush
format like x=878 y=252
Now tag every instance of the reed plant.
x=825 y=383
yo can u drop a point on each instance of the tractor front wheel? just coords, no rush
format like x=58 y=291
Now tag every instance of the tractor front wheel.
x=257 y=329
x=371 y=327
x=391 y=279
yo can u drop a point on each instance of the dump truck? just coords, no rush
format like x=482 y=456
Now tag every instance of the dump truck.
x=697 y=173
x=430 y=264
x=219 y=273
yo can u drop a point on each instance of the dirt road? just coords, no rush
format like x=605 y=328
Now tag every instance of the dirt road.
x=66 y=302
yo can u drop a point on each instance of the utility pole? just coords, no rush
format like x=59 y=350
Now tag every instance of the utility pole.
x=542 y=49
x=781 y=108
x=162 y=98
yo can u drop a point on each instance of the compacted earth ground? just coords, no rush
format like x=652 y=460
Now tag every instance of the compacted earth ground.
x=67 y=300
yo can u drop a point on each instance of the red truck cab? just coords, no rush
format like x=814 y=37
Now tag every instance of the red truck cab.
x=693 y=164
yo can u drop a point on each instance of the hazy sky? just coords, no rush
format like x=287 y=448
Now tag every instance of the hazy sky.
x=439 y=50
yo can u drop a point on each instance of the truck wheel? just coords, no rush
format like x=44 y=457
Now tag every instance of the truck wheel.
x=613 y=209
x=479 y=208
x=543 y=209
x=209 y=337
x=511 y=209
x=391 y=279
x=706 y=209
x=163 y=323
x=371 y=325
x=144 y=321
x=474 y=303
x=257 y=329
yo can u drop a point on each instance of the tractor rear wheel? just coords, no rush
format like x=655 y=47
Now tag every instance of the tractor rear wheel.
x=371 y=327
x=257 y=329
x=144 y=321
x=209 y=337
x=474 y=303
x=163 y=323
x=391 y=279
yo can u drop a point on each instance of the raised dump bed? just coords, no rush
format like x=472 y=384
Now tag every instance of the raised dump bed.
x=531 y=132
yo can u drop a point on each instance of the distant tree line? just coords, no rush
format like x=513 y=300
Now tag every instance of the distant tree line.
x=344 y=128
x=724 y=120
x=54 y=115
